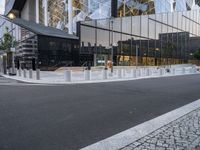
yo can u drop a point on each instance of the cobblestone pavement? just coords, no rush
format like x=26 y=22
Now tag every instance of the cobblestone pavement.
x=181 y=134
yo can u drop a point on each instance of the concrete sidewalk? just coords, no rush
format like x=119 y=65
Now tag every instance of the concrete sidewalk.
x=97 y=76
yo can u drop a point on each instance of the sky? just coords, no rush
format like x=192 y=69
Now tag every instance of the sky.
x=2 y=4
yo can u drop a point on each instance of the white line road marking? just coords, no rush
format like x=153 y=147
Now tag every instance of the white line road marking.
x=129 y=136
x=27 y=84
x=23 y=84
x=11 y=82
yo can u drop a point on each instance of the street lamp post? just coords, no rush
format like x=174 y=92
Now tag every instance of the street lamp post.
x=156 y=59
x=12 y=16
x=111 y=21
x=191 y=57
x=136 y=53
x=13 y=52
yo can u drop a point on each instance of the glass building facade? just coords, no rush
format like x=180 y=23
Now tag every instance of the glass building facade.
x=154 y=39
x=54 y=13
x=102 y=9
x=129 y=32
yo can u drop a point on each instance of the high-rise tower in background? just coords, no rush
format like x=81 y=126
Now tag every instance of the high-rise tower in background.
x=55 y=12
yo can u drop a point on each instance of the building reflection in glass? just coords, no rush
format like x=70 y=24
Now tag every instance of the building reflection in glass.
x=166 y=38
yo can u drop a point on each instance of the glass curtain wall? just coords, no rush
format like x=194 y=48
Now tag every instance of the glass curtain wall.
x=156 y=39
x=24 y=42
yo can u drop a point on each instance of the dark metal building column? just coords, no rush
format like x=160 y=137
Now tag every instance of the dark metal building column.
x=114 y=8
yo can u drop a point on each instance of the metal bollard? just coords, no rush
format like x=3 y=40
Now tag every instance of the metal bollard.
x=139 y=72
x=191 y=70
x=87 y=74
x=123 y=73
x=148 y=72
x=105 y=74
x=120 y=73
x=195 y=70
x=9 y=71
x=174 y=71
x=24 y=73
x=164 y=71
x=143 y=72
x=30 y=73
x=37 y=74
x=134 y=73
x=68 y=75
x=19 y=72
x=161 y=71
x=183 y=70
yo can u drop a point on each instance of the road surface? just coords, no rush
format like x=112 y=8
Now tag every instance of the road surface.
x=68 y=117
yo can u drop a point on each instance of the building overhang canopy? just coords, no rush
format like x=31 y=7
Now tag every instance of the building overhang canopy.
x=43 y=30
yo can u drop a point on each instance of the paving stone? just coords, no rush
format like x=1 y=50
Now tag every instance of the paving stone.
x=181 y=134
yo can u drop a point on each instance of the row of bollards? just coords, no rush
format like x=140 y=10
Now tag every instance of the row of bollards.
x=134 y=73
x=105 y=74
x=120 y=73
x=28 y=73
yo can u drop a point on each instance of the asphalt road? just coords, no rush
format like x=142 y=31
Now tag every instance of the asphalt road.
x=68 y=117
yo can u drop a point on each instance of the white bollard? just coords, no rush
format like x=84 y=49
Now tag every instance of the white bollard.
x=37 y=74
x=174 y=71
x=17 y=72
x=144 y=72
x=20 y=72
x=195 y=70
x=24 y=73
x=124 y=73
x=190 y=70
x=87 y=74
x=139 y=72
x=162 y=70
x=105 y=74
x=120 y=73
x=9 y=71
x=148 y=72
x=30 y=73
x=183 y=70
x=151 y=71
x=68 y=75
x=134 y=72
